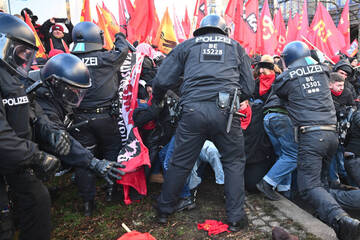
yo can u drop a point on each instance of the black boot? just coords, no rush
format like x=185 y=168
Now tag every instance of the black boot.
x=187 y=203
x=348 y=228
x=89 y=207
x=237 y=226
x=267 y=190
x=161 y=217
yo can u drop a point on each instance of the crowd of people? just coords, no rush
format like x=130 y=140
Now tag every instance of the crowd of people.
x=279 y=125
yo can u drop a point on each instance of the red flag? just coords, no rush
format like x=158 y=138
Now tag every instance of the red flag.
x=186 y=23
x=199 y=13
x=344 y=27
x=280 y=31
x=324 y=34
x=85 y=12
x=41 y=50
x=251 y=24
x=303 y=24
x=156 y=22
x=291 y=32
x=126 y=10
x=268 y=36
x=134 y=155
x=239 y=33
x=108 y=42
x=142 y=21
x=110 y=21
x=179 y=30
x=231 y=9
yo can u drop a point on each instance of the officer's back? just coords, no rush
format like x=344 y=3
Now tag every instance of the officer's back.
x=210 y=62
x=305 y=84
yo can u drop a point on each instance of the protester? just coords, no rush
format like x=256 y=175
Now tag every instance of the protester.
x=54 y=35
x=33 y=18
x=202 y=118
x=279 y=128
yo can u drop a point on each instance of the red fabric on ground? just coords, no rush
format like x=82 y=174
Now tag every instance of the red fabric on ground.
x=213 y=227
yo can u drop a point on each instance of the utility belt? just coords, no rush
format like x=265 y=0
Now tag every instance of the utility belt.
x=305 y=129
x=94 y=110
x=231 y=103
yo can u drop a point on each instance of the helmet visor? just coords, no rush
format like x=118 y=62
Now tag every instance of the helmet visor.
x=70 y=95
x=17 y=55
x=23 y=58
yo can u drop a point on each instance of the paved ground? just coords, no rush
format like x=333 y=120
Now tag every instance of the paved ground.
x=106 y=223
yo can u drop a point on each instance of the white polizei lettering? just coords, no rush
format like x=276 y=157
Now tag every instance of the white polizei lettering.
x=15 y=101
x=90 y=61
x=213 y=39
x=306 y=71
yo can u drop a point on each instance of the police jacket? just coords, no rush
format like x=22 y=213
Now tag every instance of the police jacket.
x=353 y=144
x=78 y=155
x=273 y=101
x=103 y=67
x=16 y=148
x=305 y=88
x=210 y=63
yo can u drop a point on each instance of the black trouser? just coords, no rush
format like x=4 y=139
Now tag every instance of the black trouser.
x=31 y=206
x=200 y=121
x=102 y=137
x=314 y=148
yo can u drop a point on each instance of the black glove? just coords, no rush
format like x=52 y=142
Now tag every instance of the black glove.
x=55 y=141
x=107 y=169
x=60 y=141
x=45 y=165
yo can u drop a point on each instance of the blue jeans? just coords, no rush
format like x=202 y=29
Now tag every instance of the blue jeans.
x=337 y=165
x=165 y=156
x=210 y=154
x=280 y=130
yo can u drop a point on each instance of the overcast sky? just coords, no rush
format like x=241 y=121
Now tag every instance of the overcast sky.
x=46 y=9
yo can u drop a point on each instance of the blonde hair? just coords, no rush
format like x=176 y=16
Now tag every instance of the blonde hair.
x=270 y=60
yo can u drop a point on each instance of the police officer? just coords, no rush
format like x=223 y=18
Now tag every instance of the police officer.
x=18 y=153
x=211 y=63
x=101 y=135
x=305 y=88
x=67 y=79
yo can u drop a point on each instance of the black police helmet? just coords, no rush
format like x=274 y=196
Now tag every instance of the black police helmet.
x=17 y=44
x=87 y=37
x=211 y=24
x=68 y=78
x=293 y=51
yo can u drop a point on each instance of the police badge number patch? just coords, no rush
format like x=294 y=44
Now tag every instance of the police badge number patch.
x=212 y=52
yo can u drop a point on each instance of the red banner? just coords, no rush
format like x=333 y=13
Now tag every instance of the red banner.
x=134 y=155
x=324 y=34
x=268 y=36
x=280 y=31
x=344 y=27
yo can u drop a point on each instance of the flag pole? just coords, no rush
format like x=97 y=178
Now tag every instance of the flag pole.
x=68 y=10
x=307 y=41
